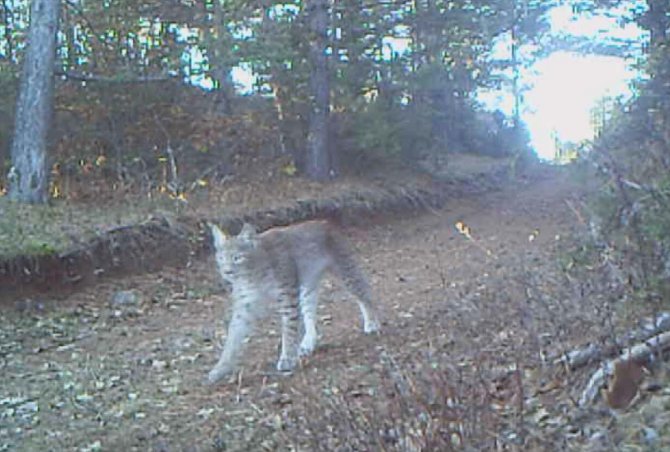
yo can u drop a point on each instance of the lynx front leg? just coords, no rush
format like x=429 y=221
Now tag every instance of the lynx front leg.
x=370 y=322
x=239 y=328
x=289 y=333
x=308 y=305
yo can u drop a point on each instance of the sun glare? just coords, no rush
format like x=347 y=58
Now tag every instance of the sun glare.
x=566 y=87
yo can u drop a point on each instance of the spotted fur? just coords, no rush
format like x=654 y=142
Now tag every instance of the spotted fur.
x=280 y=270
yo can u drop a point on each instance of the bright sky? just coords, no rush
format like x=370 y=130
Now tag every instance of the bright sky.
x=566 y=86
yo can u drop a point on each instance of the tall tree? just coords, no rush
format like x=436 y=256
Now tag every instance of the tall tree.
x=318 y=159
x=28 y=175
x=528 y=24
x=657 y=21
x=220 y=47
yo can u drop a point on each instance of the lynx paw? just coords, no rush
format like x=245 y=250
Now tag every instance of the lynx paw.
x=307 y=347
x=219 y=373
x=371 y=327
x=286 y=364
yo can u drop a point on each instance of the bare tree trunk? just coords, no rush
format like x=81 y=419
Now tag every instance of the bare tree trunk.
x=519 y=12
x=34 y=108
x=219 y=47
x=657 y=22
x=318 y=159
x=516 y=74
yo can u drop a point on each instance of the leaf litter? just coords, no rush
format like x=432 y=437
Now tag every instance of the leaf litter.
x=461 y=362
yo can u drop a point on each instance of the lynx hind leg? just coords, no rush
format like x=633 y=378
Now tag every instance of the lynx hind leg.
x=308 y=306
x=355 y=281
x=240 y=326
x=290 y=323
x=362 y=291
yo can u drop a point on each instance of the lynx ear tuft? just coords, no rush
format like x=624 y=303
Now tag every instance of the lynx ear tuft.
x=218 y=235
x=248 y=231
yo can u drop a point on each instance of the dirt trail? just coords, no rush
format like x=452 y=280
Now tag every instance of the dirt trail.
x=84 y=373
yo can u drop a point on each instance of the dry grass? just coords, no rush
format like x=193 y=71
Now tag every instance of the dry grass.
x=414 y=408
x=33 y=230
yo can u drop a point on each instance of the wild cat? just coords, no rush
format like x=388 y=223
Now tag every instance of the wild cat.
x=281 y=269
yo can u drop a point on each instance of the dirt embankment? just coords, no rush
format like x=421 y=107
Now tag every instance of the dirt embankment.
x=152 y=236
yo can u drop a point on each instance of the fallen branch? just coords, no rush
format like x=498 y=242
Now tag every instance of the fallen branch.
x=639 y=353
x=577 y=358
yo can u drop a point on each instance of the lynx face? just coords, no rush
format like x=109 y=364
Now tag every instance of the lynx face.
x=232 y=253
x=282 y=268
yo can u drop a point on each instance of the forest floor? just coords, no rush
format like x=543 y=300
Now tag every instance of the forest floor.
x=122 y=365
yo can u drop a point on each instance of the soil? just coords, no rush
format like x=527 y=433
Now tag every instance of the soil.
x=472 y=300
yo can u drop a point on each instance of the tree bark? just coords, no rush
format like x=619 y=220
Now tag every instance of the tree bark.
x=219 y=48
x=318 y=159
x=28 y=175
x=657 y=22
x=516 y=93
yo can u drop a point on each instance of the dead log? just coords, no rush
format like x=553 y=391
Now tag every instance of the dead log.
x=639 y=353
x=592 y=352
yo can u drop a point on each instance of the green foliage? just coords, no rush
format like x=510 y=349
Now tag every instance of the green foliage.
x=630 y=216
x=635 y=228
x=375 y=131
x=381 y=132
x=411 y=132
x=632 y=154
x=655 y=214
x=486 y=133
x=28 y=230
x=121 y=37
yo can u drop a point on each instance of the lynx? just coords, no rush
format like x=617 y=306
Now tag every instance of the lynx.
x=284 y=266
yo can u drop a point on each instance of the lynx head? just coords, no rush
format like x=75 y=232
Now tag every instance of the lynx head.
x=232 y=253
